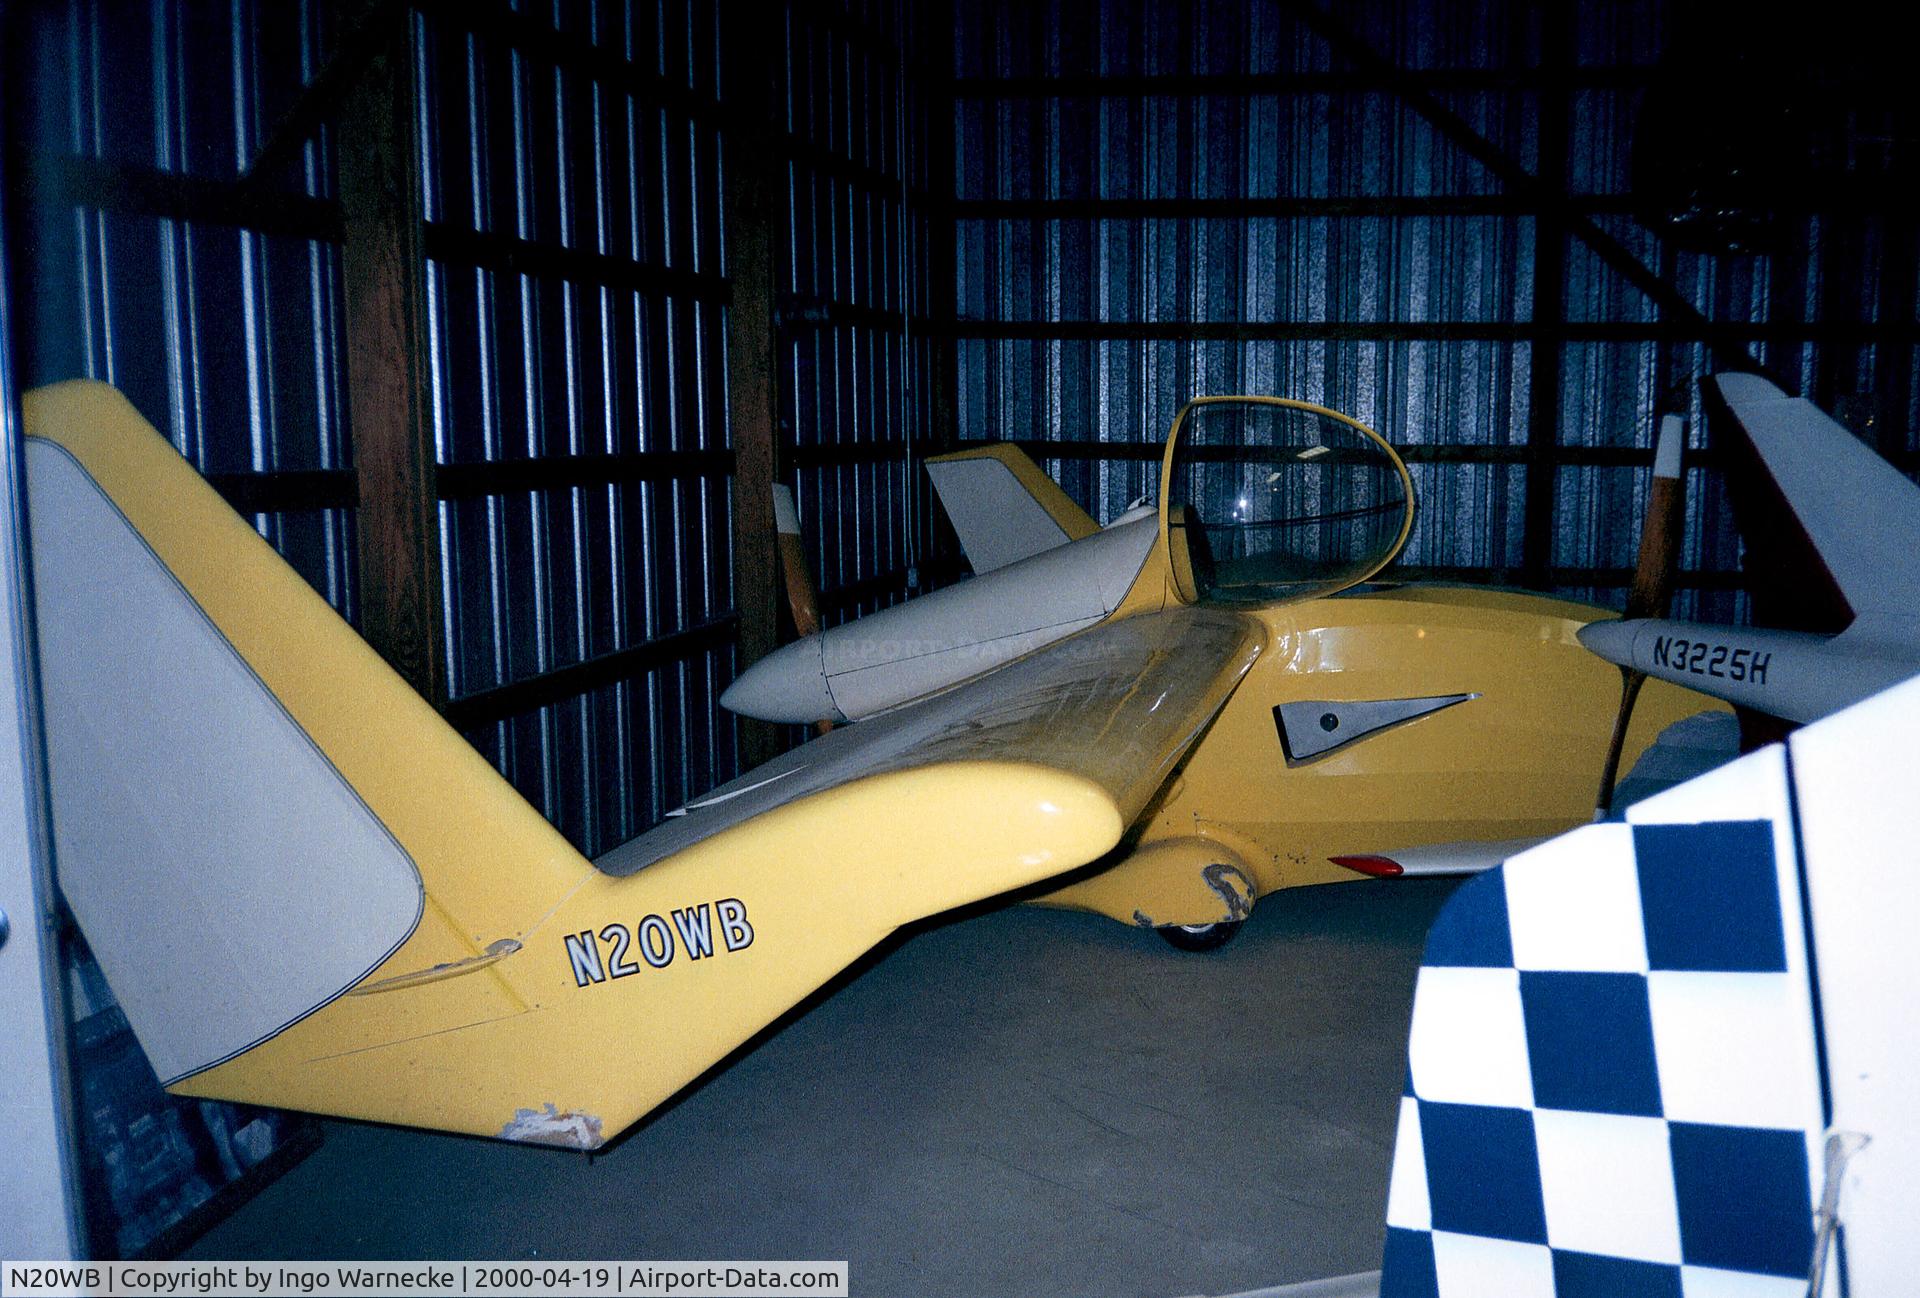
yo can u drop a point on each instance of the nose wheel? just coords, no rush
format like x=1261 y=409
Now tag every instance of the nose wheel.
x=1199 y=937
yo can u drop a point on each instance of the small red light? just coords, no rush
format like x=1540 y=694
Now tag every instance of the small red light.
x=1380 y=867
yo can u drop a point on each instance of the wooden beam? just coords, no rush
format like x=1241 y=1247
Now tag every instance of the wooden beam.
x=382 y=271
x=445 y=241
x=1240 y=85
x=304 y=490
x=834 y=166
x=1860 y=199
x=833 y=454
x=1087 y=446
x=1287 y=207
x=131 y=189
x=1407 y=84
x=544 y=45
x=751 y=206
x=1710 y=333
x=286 y=491
x=833 y=16
x=515 y=698
x=797 y=312
x=320 y=100
x=558 y=472
x=938 y=571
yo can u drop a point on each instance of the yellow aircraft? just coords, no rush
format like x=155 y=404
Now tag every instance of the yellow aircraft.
x=309 y=892
x=1396 y=730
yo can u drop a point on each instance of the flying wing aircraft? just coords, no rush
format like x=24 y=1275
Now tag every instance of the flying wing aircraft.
x=309 y=892
x=1666 y=1056
x=1834 y=530
x=1387 y=730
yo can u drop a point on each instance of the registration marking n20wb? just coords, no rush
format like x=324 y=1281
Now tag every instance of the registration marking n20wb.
x=694 y=933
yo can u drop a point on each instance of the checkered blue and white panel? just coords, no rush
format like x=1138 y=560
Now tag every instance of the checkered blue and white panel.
x=1860 y=857
x=1613 y=1086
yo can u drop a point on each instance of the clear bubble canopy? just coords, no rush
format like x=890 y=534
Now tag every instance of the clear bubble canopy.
x=1271 y=499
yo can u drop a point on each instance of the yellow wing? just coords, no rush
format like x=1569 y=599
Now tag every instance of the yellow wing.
x=308 y=891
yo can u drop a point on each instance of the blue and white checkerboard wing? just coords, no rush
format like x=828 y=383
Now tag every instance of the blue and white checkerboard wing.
x=1612 y=1081
x=1727 y=939
x=1853 y=776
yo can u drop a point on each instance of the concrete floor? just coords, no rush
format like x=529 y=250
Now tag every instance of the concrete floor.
x=1020 y=1101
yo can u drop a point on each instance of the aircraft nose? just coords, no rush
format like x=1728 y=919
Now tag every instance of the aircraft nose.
x=1610 y=640
x=789 y=686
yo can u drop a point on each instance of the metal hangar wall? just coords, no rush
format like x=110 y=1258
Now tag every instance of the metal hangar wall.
x=500 y=320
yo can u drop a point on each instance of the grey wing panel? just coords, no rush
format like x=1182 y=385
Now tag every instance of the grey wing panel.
x=1860 y=513
x=185 y=797
x=997 y=520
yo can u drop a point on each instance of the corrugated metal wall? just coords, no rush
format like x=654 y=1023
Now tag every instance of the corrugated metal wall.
x=856 y=351
x=1158 y=200
x=572 y=159
x=226 y=338
x=590 y=323
x=1039 y=221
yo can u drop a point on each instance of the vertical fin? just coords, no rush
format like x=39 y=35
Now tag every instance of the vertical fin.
x=1823 y=516
x=1003 y=507
x=311 y=892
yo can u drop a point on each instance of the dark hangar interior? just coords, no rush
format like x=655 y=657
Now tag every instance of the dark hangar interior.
x=501 y=321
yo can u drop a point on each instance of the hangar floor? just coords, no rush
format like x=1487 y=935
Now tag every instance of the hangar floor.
x=1021 y=1101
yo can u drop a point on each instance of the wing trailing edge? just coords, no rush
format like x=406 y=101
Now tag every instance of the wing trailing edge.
x=310 y=892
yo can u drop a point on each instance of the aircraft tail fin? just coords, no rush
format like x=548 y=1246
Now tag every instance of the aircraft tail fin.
x=1003 y=507
x=1614 y=1084
x=309 y=891
x=1822 y=515
x=254 y=816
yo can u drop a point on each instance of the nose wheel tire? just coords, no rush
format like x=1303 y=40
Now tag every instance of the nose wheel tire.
x=1199 y=937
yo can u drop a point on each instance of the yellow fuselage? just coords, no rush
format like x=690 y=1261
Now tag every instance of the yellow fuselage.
x=1521 y=760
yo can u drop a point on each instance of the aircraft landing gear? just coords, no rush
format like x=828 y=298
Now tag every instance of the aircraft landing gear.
x=1200 y=937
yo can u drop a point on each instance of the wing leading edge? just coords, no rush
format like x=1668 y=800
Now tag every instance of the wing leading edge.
x=1116 y=705
x=689 y=940
x=523 y=993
